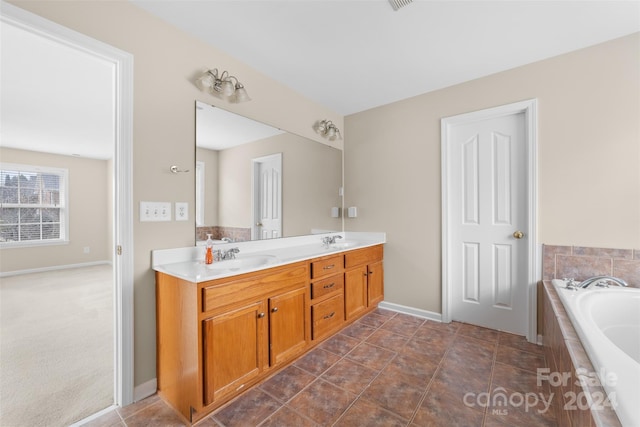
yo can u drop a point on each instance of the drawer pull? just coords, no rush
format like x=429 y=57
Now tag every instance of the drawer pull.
x=329 y=286
x=260 y=315
x=328 y=267
x=274 y=310
x=329 y=316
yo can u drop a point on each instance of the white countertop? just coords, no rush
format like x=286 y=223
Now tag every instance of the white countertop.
x=188 y=263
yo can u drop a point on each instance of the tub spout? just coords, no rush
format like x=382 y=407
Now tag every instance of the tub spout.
x=603 y=281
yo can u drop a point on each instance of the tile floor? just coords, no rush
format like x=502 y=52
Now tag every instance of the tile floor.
x=387 y=369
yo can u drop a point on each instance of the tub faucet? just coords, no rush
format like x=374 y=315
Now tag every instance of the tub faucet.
x=603 y=281
x=571 y=284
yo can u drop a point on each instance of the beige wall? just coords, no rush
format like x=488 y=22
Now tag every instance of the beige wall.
x=311 y=177
x=588 y=118
x=89 y=218
x=588 y=148
x=166 y=62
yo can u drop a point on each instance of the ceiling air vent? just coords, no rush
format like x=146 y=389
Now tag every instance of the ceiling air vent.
x=397 y=4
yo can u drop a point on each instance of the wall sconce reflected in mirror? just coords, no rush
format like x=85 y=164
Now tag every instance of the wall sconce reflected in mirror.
x=327 y=129
x=223 y=86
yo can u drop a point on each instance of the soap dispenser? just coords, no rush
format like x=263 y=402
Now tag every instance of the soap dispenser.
x=208 y=258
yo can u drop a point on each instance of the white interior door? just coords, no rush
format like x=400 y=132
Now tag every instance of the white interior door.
x=268 y=197
x=489 y=224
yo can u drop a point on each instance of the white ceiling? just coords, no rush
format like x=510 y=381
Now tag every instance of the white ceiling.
x=352 y=55
x=348 y=55
x=54 y=98
x=219 y=129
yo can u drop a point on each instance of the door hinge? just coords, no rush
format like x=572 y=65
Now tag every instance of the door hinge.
x=119 y=249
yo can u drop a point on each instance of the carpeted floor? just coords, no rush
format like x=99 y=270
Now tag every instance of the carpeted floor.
x=56 y=346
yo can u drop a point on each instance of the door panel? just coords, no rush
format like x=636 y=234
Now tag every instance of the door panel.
x=489 y=203
x=287 y=325
x=269 y=197
x=232 y=350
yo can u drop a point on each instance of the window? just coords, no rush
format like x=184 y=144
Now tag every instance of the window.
x=33 y=205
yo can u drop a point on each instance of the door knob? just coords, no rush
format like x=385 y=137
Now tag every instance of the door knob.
x=518 y=234
x=259 y=224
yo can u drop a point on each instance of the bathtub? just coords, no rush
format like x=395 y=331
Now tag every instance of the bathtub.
x=607 y=321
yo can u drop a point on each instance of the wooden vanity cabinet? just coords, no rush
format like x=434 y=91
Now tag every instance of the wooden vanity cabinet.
x=363 y=280
x=218 y=338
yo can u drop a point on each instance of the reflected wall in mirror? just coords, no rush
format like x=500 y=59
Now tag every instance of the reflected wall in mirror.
x=254 y=181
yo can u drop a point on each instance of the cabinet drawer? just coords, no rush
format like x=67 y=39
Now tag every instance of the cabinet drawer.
x=332 y=284
x=326 y=316
x=363 y=256
x=223 y=292
x=327 y=266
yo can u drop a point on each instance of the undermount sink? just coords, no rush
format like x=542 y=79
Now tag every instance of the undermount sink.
x=344 y=245
x=241 y=263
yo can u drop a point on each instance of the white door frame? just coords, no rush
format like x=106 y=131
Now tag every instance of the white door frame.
x=530 y=110
x=122 y=198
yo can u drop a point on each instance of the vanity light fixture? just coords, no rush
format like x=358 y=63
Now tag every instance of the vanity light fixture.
x=327 y=129
x=223 y=85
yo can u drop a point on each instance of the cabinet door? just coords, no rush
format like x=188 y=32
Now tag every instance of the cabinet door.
x=355 y=291
x=375 y=282
x=327 y=316
x=287 y=325
x=233 y=347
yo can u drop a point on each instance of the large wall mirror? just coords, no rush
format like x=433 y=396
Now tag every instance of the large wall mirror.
x=255 y=182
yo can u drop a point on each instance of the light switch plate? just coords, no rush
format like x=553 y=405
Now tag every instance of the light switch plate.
x=182 y=211
x=155 y=211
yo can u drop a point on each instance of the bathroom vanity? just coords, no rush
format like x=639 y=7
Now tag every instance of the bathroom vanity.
x=220 y=330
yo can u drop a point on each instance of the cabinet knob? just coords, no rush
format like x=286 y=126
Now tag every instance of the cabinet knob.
x=274 y=309
x=260 y=315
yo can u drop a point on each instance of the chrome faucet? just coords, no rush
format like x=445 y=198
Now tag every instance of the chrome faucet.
x=602 y=281
x=571 y=284
x=330 y=240
x=220 y=255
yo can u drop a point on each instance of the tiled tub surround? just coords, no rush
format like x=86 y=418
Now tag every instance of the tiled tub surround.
x=218 y=232
x=580 y=263
x=387 y=369
x=563 y=349
x=578 y=404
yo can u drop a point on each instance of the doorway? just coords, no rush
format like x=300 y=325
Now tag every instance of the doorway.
x=267 y=197
x=117 y=246
x=489 y=250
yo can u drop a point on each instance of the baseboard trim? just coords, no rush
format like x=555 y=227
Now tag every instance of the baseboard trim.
x=52 y=268
x=145 y=390
x=425 y=314
x=94 y=416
